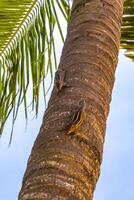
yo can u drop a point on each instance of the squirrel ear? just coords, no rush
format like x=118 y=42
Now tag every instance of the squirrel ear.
x=60 y=74
x=82 y=103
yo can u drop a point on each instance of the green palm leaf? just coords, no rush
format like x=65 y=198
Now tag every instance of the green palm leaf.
x=127 y=37
x=27 y=49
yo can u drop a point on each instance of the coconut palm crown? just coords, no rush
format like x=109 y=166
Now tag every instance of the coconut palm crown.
x=28 y=52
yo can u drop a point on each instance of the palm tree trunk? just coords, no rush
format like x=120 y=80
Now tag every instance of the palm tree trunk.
x=65 y=164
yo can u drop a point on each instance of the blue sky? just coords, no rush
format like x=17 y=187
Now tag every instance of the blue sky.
x=117 y=177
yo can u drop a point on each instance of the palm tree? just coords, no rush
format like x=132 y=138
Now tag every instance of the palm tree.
x=67 y=154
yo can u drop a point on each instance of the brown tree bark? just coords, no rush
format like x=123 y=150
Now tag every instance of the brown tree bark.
x=67 y=154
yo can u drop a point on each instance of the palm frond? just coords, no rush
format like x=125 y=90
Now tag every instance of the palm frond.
x=127 y=36
x=27 y=51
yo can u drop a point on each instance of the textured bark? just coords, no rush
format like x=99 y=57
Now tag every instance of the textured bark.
x=67 y=166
